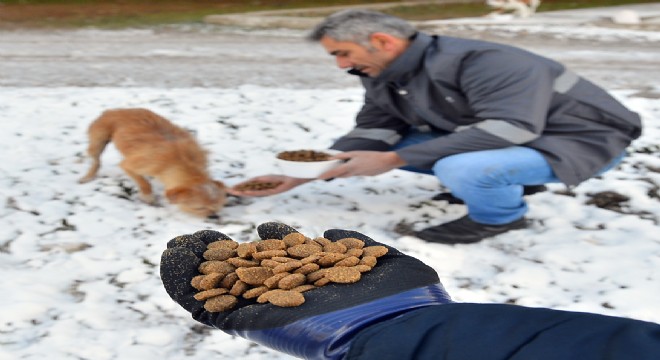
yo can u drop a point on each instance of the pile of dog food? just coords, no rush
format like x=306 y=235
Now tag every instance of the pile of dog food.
x=279 y=271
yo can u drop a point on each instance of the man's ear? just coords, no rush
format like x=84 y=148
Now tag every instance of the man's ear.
x=383 y=41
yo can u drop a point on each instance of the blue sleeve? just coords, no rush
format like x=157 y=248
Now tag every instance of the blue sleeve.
x=494 y=331
x=328 y=336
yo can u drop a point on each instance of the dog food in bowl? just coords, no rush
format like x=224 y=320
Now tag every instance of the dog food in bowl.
x=307 y=164
x=304 y=155
x=257 y=186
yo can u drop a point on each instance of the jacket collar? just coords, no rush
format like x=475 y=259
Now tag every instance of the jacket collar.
x=402 y=67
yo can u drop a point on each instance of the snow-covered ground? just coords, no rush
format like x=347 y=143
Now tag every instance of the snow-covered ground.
x=79 y=263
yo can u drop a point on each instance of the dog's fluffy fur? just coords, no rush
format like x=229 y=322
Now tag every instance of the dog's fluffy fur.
x=153 y=146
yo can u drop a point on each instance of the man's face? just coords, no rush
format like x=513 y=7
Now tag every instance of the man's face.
x=371 y=61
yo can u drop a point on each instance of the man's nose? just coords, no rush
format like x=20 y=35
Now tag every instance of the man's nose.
x=343 y=63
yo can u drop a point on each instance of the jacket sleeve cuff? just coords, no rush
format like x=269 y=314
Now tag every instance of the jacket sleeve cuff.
x=350 y=144
x=328 y=336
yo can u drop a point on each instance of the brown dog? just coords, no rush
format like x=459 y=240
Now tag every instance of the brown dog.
x=153 y=146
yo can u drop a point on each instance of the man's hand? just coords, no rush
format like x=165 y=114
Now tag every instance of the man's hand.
x=364 y=163
x=280 y=184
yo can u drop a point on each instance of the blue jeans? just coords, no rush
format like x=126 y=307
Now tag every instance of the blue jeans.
x=490 y=182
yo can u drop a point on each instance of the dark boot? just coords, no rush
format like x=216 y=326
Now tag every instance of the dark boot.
x=466 y=231
x=450 y=198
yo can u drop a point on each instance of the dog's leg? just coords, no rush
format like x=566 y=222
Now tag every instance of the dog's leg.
x=146 y=194
x=96 y=147
x=99 y=136
x=91 y=174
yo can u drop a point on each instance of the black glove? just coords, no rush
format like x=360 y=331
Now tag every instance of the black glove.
x=324 y=325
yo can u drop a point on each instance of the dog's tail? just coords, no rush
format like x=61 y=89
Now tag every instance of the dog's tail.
x=99 y=134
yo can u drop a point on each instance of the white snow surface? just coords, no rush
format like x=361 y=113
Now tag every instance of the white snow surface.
x=80 y=263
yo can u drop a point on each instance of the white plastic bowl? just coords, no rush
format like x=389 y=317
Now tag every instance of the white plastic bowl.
x=307 y=169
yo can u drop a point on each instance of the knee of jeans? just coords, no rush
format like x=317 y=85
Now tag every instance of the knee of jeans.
x=452 y=173
x=458 y=174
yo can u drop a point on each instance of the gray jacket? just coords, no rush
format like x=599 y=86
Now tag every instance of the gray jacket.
x=490 y=96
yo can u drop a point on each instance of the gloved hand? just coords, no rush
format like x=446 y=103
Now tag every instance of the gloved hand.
x=322 y=327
